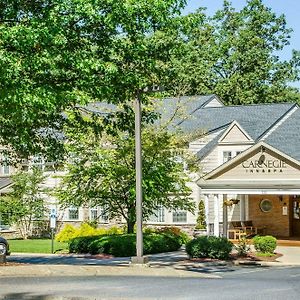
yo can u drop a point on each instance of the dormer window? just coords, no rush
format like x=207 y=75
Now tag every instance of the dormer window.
x=228 y=155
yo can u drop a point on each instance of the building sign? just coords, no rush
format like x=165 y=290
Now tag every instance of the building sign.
x=263 y=165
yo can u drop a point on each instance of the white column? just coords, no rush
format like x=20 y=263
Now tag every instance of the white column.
x=242 y=208
x=225 y=217
x=206 y=204
x=216 y=216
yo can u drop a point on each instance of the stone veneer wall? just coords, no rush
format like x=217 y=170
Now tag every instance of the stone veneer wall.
x=274 y=222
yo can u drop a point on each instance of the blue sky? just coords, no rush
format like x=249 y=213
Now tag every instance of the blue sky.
x=290 y=8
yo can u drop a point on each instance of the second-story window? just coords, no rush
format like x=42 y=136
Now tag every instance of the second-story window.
x=227 y=155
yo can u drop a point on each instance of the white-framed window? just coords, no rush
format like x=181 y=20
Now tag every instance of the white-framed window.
x=93 y=214
x=228 y=155
x=158 y=215
x=180 y=216
x=103 y=216
x=73 y=213
x=5 y=165
x=37 y=161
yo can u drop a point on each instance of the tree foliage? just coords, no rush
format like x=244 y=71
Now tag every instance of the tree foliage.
x=58 y=54
x=234 y=54
x=103 y=174
x=24 y=205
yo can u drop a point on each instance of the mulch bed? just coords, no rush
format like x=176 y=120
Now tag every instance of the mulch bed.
x=253 y=257
x=234 y=257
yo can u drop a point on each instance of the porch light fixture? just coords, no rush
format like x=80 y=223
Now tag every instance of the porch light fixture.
x=235 y=201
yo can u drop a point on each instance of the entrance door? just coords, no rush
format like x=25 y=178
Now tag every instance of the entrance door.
x=295 y=214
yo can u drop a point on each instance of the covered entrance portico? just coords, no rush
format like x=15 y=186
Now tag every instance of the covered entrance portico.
x=261 y=185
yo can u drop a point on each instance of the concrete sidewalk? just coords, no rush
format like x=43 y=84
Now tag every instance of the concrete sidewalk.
x=173 y=264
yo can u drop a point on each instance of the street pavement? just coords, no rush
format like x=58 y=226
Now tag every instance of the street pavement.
x=165 y=264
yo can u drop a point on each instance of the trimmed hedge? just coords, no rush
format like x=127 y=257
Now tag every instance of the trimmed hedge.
x=265 y=244
x=125 y=244
x=209 y=247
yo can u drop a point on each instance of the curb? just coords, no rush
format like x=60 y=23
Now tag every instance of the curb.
x=63 y=270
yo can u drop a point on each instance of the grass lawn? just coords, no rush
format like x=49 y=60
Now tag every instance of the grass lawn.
x=36 y=246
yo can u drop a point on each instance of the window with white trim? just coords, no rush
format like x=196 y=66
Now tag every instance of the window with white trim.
x=228 y=155
x=5 y=165
x=103 y=216
x=93 y=214
x=158 y=215
x=180 y=216
x=73 y=213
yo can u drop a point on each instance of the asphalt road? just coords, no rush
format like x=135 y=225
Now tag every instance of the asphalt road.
x=238 y=283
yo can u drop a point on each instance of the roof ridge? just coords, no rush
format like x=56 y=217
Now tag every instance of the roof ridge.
x=277 y=121
x=251 y=105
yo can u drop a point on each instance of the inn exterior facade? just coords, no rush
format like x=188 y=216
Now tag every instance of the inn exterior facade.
x=249 y=154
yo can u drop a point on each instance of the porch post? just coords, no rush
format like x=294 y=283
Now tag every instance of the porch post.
x=216 y=215
x=225 y=217
x=206 y=204
x=243 y=208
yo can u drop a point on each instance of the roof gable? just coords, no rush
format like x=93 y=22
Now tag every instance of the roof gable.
x=235 y=134
x=261 y=161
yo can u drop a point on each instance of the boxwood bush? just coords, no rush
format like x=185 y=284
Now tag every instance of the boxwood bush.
x=125 y=244
x=265 y=244
x=209 y=247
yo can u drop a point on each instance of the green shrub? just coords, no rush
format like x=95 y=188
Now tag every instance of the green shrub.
x=81 y=244
x=66 y=234
x=209 y=247
x=125 y=245
x=176 y=232
x=265 y=244
x=242 y=247
x=70 y=232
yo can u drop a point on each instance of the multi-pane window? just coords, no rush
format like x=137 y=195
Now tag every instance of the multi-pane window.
x=73 y=213
x=94 y=214
x=5 y=165
x=228 y=155
x=179 y=216
x=37 y=162
x=103 y=216
x=158 y=215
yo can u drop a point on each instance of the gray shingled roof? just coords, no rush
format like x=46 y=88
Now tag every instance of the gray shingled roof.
x=254 y=119
x=209 y=146
x=286 y=137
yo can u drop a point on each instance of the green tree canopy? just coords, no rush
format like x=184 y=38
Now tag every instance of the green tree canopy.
x=24 y=205
x=103 y=174
x=234 y=54
x=58 y=54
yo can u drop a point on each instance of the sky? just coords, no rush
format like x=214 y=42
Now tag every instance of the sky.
x=290 y=8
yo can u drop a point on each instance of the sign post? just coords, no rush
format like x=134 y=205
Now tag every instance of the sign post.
x=52 y=227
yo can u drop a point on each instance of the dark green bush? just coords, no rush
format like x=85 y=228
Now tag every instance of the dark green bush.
x=80 y=244
x=265 y=244
x=125 y=244
x=209 y=246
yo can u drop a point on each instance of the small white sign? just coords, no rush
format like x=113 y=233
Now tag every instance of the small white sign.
x=284 y=211
x=53 y=218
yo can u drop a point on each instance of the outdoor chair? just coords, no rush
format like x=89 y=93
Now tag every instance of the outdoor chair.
x=236 y=231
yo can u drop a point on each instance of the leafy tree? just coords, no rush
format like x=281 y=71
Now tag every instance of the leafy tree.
x=59 y=54
x=24 y=205
x=201 y=223
x=234 y=54
x=103 y=174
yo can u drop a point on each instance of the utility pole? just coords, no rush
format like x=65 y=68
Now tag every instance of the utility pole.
x=139 y=258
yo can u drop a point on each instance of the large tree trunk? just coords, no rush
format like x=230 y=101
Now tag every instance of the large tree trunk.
x=130 y=226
